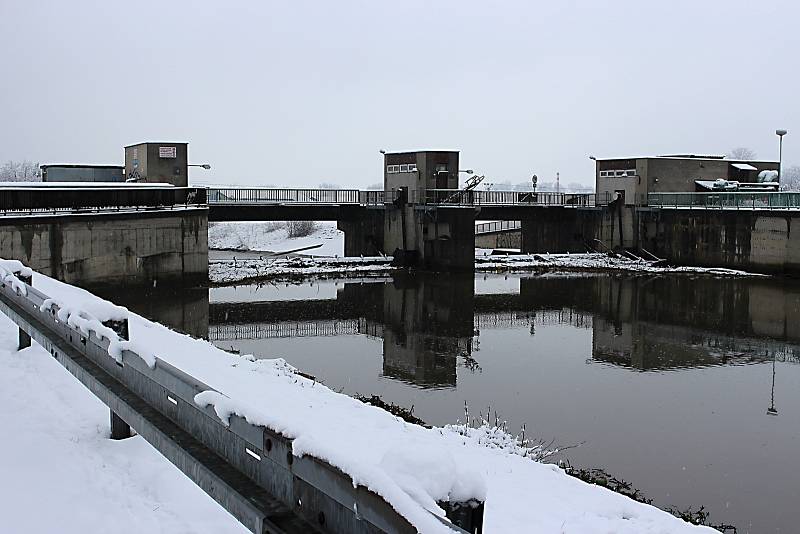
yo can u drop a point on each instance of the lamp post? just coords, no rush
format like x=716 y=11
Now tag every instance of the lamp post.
x=205 y=166
x=780 y=134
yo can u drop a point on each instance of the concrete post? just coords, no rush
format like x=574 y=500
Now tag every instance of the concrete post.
x=119 y=428
x=24 y=338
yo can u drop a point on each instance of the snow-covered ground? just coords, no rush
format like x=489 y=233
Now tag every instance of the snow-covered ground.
x=59 y=472
x=587 y=262
x=274 y=237
x=410 y=466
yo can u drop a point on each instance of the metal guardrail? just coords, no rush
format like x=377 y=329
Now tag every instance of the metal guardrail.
x=497 y=226
x=44 y=200
x=731 y=200
x=248 y=469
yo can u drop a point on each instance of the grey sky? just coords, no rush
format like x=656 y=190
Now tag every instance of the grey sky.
x=299 y=93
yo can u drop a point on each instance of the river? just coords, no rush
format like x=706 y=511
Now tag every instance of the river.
x=687 y=387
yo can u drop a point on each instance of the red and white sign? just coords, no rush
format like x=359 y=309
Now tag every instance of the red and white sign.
x=167 y=152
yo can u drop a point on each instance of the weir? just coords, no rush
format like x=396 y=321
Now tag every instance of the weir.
x=151 y=236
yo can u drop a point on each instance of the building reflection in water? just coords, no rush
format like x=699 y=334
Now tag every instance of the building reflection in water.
x=430 y=325
x=182 y=309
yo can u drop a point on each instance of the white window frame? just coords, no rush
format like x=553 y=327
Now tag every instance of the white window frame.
x=412 y=167
x=404 y=167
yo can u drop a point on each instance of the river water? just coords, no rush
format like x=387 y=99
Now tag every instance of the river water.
x=688 y=387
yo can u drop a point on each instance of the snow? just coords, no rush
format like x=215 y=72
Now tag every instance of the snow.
x=240 y=270
x=61 y=473
x=590 y=261
x=410 y=466
x=231 y=271
x=91 y=185
x=273 y=237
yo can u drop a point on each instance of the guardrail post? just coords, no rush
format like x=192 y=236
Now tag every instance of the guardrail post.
x=24 y=338
x=467 y=515
x=119 y=428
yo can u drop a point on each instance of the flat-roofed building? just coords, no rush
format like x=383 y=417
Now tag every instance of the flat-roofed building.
x=420 y=172
x=82 y=173
x=636 y=177
x=162 y=162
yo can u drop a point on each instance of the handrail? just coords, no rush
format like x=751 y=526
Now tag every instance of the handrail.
x=725 y=200
x=497 y=226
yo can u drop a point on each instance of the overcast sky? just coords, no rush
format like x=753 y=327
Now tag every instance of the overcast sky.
x=298 y=93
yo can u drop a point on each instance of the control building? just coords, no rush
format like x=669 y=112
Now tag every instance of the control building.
x=634 y=178
x=160 y=162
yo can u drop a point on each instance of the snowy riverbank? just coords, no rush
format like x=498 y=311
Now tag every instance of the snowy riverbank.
x=410 y=466
x=231 y=271
x=274 y=237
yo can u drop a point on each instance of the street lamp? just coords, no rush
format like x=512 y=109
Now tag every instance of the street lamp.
x=468 y=171
x=780 y=134
x=205 y=166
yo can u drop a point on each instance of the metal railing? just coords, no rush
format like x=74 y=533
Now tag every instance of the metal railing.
x=249 y=469
x=271 y=196
x=298 y=196
x=505 y=198
x=497 y=226
x=766 y=201
x=44 y=200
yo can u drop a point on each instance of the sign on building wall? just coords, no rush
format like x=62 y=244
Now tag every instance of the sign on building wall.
x=167 y=152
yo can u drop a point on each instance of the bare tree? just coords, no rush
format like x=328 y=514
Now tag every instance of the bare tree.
x=375 y=187
x=300 y=228
x=742 y=153
x=328 y=185
x=20 y=171
x=790 y=179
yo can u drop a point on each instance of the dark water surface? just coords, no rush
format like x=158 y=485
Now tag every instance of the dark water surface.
x=688 y=387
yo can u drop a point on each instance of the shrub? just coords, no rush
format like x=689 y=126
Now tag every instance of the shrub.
x=300 y=228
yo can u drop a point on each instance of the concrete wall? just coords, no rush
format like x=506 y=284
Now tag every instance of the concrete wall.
x=759 y=241
x=158 y=247
x=364 y=237
x=444 y=239
x=502 y=239
x=558 y=230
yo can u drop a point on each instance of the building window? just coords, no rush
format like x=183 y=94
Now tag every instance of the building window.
x=618 y=173
x=412 y=167
x=403 y=168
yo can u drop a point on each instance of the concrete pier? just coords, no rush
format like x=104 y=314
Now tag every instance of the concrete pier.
x=145 y=248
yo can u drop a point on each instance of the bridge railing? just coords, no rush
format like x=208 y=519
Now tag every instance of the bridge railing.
x=260 y=195
x=730 y=200
x=33 y=200
x=497 y=226
x=505 y=198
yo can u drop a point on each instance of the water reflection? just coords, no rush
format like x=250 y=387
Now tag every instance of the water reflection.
x=430 y=325
x=671 y=382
